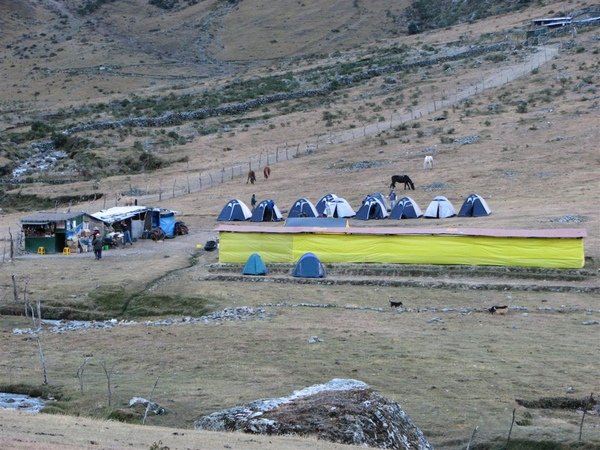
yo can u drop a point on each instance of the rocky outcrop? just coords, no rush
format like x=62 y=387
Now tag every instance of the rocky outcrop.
x=343 y=411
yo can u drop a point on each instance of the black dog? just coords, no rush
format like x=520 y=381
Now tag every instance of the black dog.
x=395 y=303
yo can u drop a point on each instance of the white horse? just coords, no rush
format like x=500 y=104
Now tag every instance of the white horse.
x=428 y=162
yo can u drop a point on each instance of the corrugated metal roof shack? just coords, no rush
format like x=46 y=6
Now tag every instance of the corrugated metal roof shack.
x=134 y=216
x=140 y=219
x=54 y=231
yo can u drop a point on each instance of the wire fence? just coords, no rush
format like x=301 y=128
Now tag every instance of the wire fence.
x=196 y=182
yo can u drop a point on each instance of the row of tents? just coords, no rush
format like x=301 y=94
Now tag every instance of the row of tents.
x=374 y=206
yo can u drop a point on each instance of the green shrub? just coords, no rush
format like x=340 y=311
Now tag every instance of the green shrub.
x=495 y=57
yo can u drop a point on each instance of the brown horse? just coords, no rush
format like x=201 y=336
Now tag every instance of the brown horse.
x=251 y=177
x=267 y=172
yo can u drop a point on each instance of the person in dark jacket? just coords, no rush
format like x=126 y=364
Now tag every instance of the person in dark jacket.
x=97 y=243
x=126 y=234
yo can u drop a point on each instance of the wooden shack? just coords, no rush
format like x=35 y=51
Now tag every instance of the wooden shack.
x=51 y=232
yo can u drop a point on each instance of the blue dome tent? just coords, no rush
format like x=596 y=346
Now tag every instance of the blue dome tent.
x=323 y=201
x=406 y=208
x=303 y=208
x=266 y=211
x=372 y=208
x=255 y=266
x=309 y=266
x=474 y=206
x=235 y=210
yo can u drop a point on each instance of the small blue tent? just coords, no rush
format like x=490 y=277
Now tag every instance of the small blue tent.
x=266 y=211
x=235 y=210
x=309 y=266
x=371 y=208
x=303 y=208
x=474 y=206
x=255 y=266
x=406 y=208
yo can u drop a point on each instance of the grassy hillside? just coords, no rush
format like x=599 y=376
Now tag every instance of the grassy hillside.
x=515 y=123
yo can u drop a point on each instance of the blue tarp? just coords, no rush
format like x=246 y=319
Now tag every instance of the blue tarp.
x=164 y=219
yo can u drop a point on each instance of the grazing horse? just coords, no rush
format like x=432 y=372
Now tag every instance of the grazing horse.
x=428 y=162
x=251 y=177
x=157 y=234
x=408 y=184
x=267 y=172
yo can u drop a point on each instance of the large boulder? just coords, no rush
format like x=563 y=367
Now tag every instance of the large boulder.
x=343 y=411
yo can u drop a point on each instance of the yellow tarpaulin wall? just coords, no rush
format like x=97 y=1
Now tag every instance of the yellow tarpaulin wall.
x=236 y=247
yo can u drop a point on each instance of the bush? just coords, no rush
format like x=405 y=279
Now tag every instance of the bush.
x=522 y=107
x=495 y=57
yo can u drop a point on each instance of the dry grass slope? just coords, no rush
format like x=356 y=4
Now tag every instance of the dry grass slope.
x=443 y=357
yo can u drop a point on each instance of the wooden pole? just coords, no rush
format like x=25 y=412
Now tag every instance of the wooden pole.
x=511 y=427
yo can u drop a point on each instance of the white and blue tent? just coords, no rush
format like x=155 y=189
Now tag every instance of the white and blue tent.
x=371 y=208
x=255 y=266
x=440 y=208
x=383 y=199
x=235 y=210
x=406 y=208
x=339 y=207
x=266 y=211
x=303 y=208
x=474 y=206
x=323 y=202
x=309 y=266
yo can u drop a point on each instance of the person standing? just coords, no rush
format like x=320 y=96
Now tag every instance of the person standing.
x=392 y=198
x=327 y=211
x=126 y=234
x=253 y=201
x=97 y=243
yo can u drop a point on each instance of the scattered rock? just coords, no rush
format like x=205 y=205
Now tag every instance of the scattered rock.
x=152 y=407
x=63 y=326
x=472 y=139
x=569 y=218
x=342 y=410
